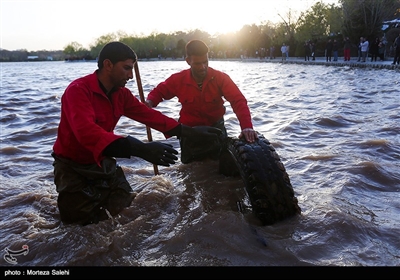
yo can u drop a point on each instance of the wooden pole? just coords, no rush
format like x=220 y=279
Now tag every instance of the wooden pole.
x=141 y=94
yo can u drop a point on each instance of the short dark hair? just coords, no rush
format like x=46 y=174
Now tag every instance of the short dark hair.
x=196 y=47
x=115 y=52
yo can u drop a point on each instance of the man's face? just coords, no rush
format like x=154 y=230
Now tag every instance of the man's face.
x=198 y=66
x=121 y=72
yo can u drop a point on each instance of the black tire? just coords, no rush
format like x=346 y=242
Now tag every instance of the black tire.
x=266 y=181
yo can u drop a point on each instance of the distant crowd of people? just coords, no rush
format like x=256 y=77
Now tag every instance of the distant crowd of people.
x=375 y=49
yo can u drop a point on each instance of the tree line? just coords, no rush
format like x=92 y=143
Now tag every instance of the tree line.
x=349 y=18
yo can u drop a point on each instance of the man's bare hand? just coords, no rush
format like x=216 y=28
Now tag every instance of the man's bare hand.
x=249 y=134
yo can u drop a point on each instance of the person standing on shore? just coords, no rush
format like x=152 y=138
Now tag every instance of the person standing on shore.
x=335 y=49
x=396 y=46
x=364 y=49
x=381 y=50
x=201 y=90
x=374 y=49
x=347 y=49
x=272 y=52
x=328 y=50
x=283 y=50
x=359 y=49
x=91 y=186
x=313 y=50
x=307 y=50
x=287 y=51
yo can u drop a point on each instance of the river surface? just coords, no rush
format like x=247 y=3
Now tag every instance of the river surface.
x=336 y=130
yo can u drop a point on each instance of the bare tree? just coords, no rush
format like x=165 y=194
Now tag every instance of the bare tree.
x=290 y=23
x=365 y=17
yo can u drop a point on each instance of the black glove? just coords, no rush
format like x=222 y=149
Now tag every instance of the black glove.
x=154 y=152
x=200 y=132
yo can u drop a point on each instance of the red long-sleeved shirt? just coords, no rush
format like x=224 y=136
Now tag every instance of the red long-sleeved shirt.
x=88 y=119
x=203 y=106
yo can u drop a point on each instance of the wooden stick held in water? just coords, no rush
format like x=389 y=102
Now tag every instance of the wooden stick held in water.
x=141 y=94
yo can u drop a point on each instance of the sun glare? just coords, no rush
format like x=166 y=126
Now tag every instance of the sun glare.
x=38 y=26
x=214 y=17
x=225 y=16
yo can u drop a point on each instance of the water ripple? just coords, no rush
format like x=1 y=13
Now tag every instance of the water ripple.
x=336 y=130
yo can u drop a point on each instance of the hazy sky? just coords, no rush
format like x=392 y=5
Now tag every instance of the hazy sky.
x=53 y=24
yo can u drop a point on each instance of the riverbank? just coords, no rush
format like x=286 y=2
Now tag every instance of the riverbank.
x=386 y=64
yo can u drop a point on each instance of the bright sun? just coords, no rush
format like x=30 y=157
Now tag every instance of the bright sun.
x=218 y=16
x=223 y=16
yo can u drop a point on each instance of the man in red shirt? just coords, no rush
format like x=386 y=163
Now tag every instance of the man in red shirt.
x=201 y=90
x=90 y=184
